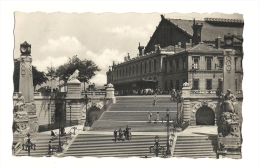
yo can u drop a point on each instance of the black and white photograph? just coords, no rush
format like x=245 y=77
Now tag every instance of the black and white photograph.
x=113 y=85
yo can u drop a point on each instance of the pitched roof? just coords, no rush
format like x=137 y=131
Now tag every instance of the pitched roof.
x=202 y=47
x=208 y=32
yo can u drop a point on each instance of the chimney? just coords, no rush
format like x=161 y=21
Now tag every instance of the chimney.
x=196 y=32
x=140 y=48
x=217 y=42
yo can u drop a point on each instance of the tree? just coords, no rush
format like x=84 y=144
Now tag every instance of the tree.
x=38 y=76
x=87 y=69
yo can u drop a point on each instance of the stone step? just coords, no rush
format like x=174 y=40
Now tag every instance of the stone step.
x=112 y=155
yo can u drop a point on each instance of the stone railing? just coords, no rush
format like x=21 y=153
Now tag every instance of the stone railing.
x=15 y=94
x=16 y=148
x=203 y=91
x=93 y=93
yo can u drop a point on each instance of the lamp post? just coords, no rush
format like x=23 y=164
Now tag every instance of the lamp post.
x=156 y=148
x=168 y=125
x=29 y=145
x=87 y=99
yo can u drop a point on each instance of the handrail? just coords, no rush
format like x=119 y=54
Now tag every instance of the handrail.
x=16 y=148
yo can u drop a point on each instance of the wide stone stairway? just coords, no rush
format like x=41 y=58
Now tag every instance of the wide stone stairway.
x=134 y=111
x=196 y=146
x=97 y=145
x=41 y=141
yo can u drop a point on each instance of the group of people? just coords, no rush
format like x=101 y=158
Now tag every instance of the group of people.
x=156 y=119
x=122 y=133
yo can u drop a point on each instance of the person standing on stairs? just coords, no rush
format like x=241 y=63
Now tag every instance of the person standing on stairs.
x=115 y=134
x=150 y=117
x=157 y=117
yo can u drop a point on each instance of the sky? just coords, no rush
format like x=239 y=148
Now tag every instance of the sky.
x=102 y=38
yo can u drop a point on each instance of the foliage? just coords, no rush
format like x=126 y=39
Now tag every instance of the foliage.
x=38 y=76
x=87 y=69
x=60 y=107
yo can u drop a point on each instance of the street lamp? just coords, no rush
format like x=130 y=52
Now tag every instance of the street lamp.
x=29 y=145
x=87 y=99
x=168 y=125
x=156 y=148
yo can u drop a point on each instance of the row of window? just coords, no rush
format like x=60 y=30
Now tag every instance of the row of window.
x=134 y=69
x=195 y=64
x=195 y=84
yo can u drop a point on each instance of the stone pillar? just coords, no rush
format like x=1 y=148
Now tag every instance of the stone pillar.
x=110 y=92
x=25 y=119
x=73 y=96
x=229 y=71
x=186 y=102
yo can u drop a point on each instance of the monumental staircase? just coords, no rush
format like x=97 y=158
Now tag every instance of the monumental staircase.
x=196 y=147
x=94 y=145
x=134 y=111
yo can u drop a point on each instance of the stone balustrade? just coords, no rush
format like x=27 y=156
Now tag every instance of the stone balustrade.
x=203 y=91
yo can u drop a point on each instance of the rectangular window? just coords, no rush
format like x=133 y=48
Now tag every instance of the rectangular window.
x=177 y=63
x=208 y=84
x=141 y=68
x=171 y=84
x=150 y=66
x=133 y=70
x=165 y=66
x=208 y=63
x=220 y=63
x=123 y=72
x=184 y=63
x=177 y=85
x=117 y=73
x=170 y=64
x=126 y=71
x=129 y=70
x=220 y=84
x=137 y=69
x=196 y=63
x=196 y=84
x=145 y=67
x=235 y=64
x=154 y=64
x=236 y=84
x=120 y=73
x=165 y=85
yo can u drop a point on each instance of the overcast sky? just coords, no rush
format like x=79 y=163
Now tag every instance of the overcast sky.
x=103 y=38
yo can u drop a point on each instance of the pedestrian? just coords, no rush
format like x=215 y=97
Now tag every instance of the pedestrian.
x=157 y=117
x=127 y=132
x=115 y=134
x=120 y=133
x=150 y=117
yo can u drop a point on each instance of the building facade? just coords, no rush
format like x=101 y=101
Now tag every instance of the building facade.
x=181 y=51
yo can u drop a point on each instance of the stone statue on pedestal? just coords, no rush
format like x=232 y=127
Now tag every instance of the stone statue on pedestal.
x=229 y=121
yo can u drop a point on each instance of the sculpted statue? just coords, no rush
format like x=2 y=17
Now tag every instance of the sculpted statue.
x=20 y=102
x=74 y=75
x=229 y=101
